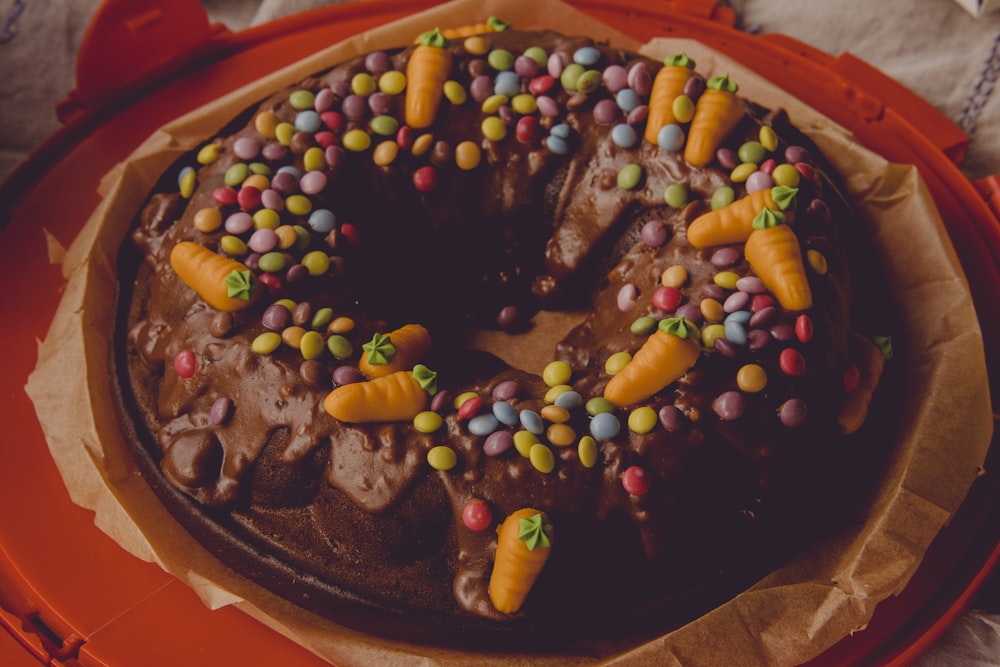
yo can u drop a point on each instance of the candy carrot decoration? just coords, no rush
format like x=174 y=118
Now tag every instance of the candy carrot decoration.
x=667 y=86
x=524 y=541
x=492 y=24
x=398 y=350
x=718 y=111
x=426 y=72
x=665 y=356
x=396 y=397
x=734 y=223
x=221 y=281
x=773 y=253
x=870 y=360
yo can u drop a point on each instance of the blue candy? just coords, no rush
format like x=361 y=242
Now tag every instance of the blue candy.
x=586 y=56
x=532 y=422
x=624 y=135
x=505 y=413
x=483 y=424
x=605 y=426
x=670 y=137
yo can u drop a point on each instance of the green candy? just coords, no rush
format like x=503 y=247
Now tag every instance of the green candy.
x=629 y=176
x=723 y=197
x=271 y=262
x=500 y=59
x=570 y=75
x=643 y=326
x=589 y=81
x=339 y=347
x=676 y=195
x=752 y=151
x=236 y=174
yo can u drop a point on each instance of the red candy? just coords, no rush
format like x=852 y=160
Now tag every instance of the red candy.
x=470 y=407
x=760 y=302
x=805 y=170
x=792 y=362
x=325 y=139
x=185 y=364
x=636 y=481
x=248 y=198
x=477 y=515
x=404 y=137
x=425 y=179
x=334 y=120
x=803 y=328
x=852 y=377
x=224 y=196
x=270 y=281
x=541 y=84
x=667 y=298
x=527 y=130
x=767 y=166
x=351 y=233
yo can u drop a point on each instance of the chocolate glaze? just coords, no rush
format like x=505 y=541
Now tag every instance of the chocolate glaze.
x=357 y=505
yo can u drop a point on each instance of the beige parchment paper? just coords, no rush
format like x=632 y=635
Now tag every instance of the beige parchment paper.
x=787 y=618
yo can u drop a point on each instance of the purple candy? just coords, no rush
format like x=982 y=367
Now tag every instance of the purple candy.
x=274 y=151
x=757 y=339
x=627 y=296
x=555 y=65
x=246 y=148
x=751 y=284
x=654 y=233
x=672 y=419
x=440 y=401
x=505 y=390
x=285 y=183
x=795 y=154
x=727 y=157
x=341 y=88
x=263 y=240
x=547 y=106
x=729 y=405
x=296 y=273
x=793 y=412
x=690 y=312
x=324 y=100
x=637 y=115
x=759 y=180
x=783 y=331
x=819 y=208
x=615 y=78
x=694 y=86
x=726 y=256
x=380 y=103
x=346 y=374
x=639 y=79
x=220 y=410
x=725 y=347
x=763 y=317
x=736 y=301
x=713 y=291
x=377 y=62
x=526 y=67
x=276 y=317
x=497 y=443
x=334 y=156
x=354 y=107
x=605 y=112
x=481 y=87
x=238 y=223
x=270 y=199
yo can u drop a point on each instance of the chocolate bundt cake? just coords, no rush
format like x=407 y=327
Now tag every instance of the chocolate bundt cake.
x=299 y=302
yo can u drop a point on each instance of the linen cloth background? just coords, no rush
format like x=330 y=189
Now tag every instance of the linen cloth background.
x=933 y=47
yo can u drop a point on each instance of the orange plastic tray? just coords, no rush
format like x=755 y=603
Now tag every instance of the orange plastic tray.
x=69 y=595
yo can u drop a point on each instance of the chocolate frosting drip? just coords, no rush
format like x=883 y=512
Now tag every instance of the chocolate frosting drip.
x=529 y=228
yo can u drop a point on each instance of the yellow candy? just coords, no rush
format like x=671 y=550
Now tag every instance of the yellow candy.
x=555 y=392
x=454 y=92
x=311 y=345
x=314 y=159
x=751 y=378
x=712 y=310
x=208 y=153
x=493 y=128
x=556 y=372
x=683 y=108
x=524 y=441
x=266 y=123
x=817 y=261
x=786 y=174
x=356 y=140
x=475 y=45
x=292 y=336
x=284 y=132
x=768 y=139
x=642 y=420
x=316 y=262
x=616 y=362
x=188 y=181
x=561 y=435
x=298 y=204
x=385 y=153
x=362 y=84
x=427 y=421
x=392 y=83
x=710 y=333
x=555 y=414
x=341 y=325
x=266 y=343
x=742 y=172
x=265 y=218
x=493 y=103
x=542 y=458
x=726 y=279
x=233 y=245
x=287 y=303
x=422 y=144
x=259 y=181
x=468 y=155
x=442 y=457
x=586 y=449
x=524 y=104
x=207 y=220
x=674 y=276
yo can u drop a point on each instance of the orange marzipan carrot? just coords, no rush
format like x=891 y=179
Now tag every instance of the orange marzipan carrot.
x=518 y=561
x=667 y=86
x=394 y=397
x=206 y=271
x=663 y=358
x=774 y=255
x=412 y=342
x=426 y=73
x=717 y=112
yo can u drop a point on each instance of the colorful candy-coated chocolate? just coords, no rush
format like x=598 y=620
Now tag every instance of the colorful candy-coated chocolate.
x=477 y=515
x=636 y=481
